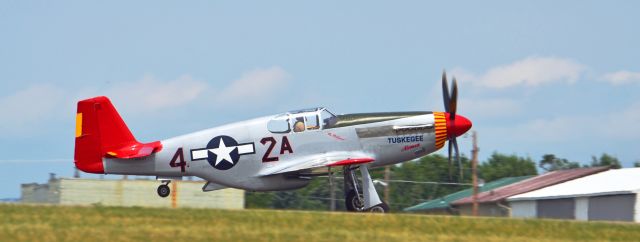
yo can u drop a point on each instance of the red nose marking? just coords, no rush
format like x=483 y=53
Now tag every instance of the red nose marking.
x=457 y=127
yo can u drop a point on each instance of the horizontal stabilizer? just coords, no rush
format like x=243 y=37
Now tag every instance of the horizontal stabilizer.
x=137 y=150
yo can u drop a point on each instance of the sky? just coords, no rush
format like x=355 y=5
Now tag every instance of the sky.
x=535 y=77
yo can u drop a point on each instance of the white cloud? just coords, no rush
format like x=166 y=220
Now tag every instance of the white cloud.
x=255 y=86
x=557 y=129
x=29 y=110
x=531 y=71
x=489 y=107
x=462 y=75
x=622 y=77
x=34 y=105
x=149 y=94
x=623 y=124
x=616 y=125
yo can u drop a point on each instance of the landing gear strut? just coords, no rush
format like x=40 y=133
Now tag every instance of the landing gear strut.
x=164 y=190
x=366 y=199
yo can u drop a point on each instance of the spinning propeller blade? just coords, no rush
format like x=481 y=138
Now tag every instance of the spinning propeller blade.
x=450 y=99
x=449 y=158
x=453 y=103
x=455 y=147
x=445 y=91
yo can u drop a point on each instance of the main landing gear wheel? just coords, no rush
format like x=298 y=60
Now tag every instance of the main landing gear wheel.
x=360 y=199
x=380 y=208
x=163 y=190
x=354 y=203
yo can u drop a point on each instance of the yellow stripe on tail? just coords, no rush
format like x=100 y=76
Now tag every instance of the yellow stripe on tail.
x=78 y=125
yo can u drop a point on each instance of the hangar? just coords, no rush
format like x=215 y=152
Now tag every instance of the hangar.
x=442 y=205
x=126 y=193
x=494 y=203
x=611 y=195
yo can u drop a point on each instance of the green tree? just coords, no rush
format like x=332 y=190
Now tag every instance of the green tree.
x=550 y=162
x=500 y=165
x=605 y=160
x=315 y=196
x=636 y=164
x=258 y=199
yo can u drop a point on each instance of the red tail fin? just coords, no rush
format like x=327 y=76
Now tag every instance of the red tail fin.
x=101 y=132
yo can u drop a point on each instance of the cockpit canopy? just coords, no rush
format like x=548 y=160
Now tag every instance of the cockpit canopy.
x=302 y=120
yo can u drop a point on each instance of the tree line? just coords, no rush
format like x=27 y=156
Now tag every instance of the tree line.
x=432 y=168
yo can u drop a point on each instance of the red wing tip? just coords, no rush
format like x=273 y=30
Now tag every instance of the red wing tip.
x=352 y=161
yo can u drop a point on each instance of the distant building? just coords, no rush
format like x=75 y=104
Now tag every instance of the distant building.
x=611 y=195
x=442 y=205
x=493 y=202
x=72 y=191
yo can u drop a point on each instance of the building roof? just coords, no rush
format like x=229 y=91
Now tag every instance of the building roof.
x=443 y=202
x=531 y=184
x=619 y=181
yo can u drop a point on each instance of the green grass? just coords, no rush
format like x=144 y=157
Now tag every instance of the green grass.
x=65 y=223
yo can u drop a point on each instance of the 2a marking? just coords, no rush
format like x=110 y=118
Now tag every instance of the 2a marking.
x=179 y=155
x=284 y=146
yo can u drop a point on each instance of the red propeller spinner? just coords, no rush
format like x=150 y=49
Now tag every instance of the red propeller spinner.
x=457 y=126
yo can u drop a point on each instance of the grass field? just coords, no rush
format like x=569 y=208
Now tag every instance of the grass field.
x=64 y=223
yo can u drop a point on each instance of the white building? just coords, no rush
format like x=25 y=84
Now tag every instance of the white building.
x=71 y=191
x=611 y=195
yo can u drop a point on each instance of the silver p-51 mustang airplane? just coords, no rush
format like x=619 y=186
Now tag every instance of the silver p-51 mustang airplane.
x=278 y=152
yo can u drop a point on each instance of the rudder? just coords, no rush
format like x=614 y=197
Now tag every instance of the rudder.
x=101 y=132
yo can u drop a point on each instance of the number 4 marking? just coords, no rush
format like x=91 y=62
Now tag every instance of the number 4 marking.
x=179 y=155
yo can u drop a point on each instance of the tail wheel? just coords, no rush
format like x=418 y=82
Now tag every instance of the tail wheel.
x=354 y=202
x=163 y=190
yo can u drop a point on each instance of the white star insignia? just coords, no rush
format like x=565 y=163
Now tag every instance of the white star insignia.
x=223 y=152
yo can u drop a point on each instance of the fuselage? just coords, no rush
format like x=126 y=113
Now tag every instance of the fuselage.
x=388 y=138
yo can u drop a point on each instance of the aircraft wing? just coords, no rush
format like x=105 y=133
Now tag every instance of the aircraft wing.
x=318 y=161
